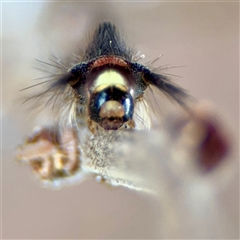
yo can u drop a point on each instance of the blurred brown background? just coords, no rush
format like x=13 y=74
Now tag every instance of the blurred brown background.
x=204 y=37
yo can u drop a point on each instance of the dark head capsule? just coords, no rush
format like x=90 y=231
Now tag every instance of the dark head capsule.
x=111 y=107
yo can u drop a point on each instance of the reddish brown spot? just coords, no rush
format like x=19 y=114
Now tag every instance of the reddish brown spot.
x=214 y=146
x=109 y=60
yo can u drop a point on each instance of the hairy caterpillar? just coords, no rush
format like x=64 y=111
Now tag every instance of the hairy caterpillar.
x=101 y=99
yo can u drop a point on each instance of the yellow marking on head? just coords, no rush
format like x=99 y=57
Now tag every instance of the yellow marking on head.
x=110 y=77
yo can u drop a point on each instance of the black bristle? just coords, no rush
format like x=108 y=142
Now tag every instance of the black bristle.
x=106 y=41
